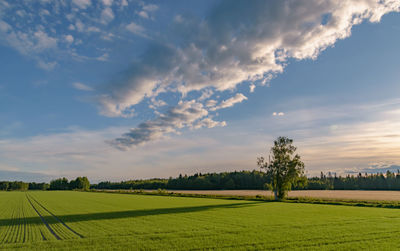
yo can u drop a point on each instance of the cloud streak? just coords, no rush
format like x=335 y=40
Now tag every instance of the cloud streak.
x=186 y=114
x=238 y=98
x=82 y=87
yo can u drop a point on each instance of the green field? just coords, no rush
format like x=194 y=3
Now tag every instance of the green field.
x=105 y=221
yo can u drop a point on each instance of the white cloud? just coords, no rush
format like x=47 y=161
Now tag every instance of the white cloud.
x=178 y=19
x=82 y=4
x=185 y=114
x=124 y=3
x=135 y=28
x=21 y=13
x=108 y=2
x=157 y=103
x=278 y=114
x=150 y=7
x=252 y=87
x=69 y=38
x=44 y=41
x=44 y=12
x=107 y=15
x=238 y=98
x=4 y=27
x=237 y=42
x=208 y=123
x=79 y=25
x=93 y=29
x=82 y=87
x=211 y=103
x=103 y=57
x=48 y=66
x=257 y=43
x=206 y=94
x=143 y=14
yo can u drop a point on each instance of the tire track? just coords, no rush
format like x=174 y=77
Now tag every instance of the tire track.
x=58 y=219
x=25 y=224
x=43 y=220
x=44 y=237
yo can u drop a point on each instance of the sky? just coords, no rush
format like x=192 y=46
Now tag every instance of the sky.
x=123 y=89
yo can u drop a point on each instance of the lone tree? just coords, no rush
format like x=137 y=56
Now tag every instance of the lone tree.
x=284 y=167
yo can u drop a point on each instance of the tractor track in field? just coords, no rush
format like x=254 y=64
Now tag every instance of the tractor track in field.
x=43 y=219
x=58 y=219
x=24 y=226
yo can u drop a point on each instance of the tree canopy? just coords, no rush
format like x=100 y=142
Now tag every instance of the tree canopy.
x=284 y=167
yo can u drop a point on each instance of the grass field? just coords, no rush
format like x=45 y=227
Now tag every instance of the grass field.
x=323 y=194
x=105 y=221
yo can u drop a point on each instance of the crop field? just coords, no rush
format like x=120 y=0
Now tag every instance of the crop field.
x=105 y=221
x=323 y=194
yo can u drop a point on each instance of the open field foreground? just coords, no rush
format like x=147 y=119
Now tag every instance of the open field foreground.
x=106 y=221
x=323 y=194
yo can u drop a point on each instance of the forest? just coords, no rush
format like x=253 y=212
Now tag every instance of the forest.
x=259 y=180
x=249 y=180
x=80 y=183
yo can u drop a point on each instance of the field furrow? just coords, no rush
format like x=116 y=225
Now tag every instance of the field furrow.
x=34 y=220
x=70 y=230
x=50 y=228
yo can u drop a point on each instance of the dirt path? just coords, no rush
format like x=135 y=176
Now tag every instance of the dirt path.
x=326 y=194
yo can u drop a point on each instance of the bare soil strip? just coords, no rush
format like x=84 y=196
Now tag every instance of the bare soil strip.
x=43 y=220
x=59 y=220
x=318 y=194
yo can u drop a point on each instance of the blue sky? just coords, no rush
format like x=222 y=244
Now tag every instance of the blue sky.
x=120 y=89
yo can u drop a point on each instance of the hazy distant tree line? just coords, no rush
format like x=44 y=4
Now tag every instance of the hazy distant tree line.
x=210 y=181
x=226 y=180
x=259 y=180
x=378 y=181
x=80 y=183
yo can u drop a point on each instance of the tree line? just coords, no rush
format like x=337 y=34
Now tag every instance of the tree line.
x=259 y=180
x=377 y=181
x=227 y=180
x=209 y=181
x=80 y=183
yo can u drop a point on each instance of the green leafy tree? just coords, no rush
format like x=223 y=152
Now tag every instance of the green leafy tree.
x=81 y=183
x=59 y=184
x=284 y=168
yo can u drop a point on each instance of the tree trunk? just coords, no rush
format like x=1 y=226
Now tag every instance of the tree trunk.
x=276 y=194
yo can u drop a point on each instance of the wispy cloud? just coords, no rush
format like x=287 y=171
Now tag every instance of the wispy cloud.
x=136 y=29
x=82 y=87
x=185 y=114
x=147 y=10
x=82 y=4
x=238 y=98
x=107 y=15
